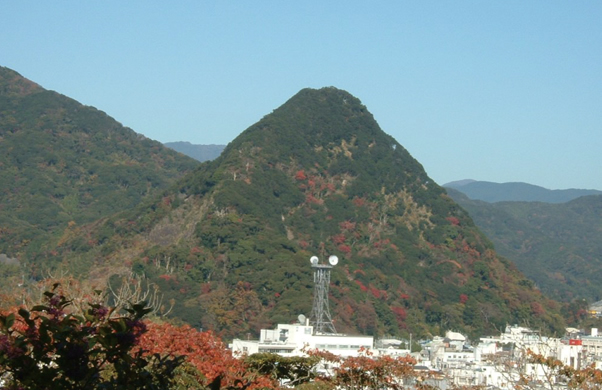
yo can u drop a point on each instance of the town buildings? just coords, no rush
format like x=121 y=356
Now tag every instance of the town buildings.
x=495 y=362
x=294 y=339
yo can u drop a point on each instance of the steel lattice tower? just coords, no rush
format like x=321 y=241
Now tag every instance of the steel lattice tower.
x=320 y=316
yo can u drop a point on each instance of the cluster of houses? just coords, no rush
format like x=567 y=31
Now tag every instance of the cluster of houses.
x=496 y=362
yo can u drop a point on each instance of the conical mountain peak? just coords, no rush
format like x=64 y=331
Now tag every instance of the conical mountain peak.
x=311 y=119
x=328 y=130
x=318 y=176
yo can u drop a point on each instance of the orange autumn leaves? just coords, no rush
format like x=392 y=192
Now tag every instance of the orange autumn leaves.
x=204 y=351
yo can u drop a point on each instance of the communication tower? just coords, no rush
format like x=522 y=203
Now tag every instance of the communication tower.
x=320 y=313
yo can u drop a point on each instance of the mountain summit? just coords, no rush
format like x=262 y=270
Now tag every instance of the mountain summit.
x=318 y=176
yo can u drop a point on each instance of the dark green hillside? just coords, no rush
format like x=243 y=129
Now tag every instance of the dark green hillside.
x=231 y=243
x=64 y=164
x=556 y=245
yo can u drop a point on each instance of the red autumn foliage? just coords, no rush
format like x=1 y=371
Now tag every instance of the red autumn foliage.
x=346 y=249
x=453 y=220
x=205 y=351
x=399 y=312
x=471 y=251
x=309 y=198
x=378 y=244
x=347 y=225
x=362 y=287
x=537 y=309
x=338 y=239
x=367 y=371
x=359 y=201
x=206 y=288
x=463 y=298
x=376 y=293
x=300 y=175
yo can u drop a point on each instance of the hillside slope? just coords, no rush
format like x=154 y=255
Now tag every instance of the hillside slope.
x=230 y=244
x=556 y=245
x=63 y=164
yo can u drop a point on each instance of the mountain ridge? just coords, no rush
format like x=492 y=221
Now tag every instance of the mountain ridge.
x=64 y=164
x=516 y=191
x=554 y=244
x=317 y=176
x=200 y=153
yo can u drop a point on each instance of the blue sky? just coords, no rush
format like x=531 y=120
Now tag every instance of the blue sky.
x=489 y=90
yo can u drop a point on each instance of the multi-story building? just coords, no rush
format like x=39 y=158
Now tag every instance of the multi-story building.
x=295 y=339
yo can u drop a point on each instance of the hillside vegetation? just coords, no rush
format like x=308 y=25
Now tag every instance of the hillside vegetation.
x=230 y=243
x=556 y=245
x=63 y=164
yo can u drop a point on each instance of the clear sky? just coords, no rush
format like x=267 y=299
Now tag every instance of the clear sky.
x=489 y=90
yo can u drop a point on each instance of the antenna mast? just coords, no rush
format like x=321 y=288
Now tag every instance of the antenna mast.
x=320 y=313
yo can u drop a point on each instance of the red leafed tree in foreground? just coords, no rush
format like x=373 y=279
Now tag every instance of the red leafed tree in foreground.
x=367 y=371
x=206 y=353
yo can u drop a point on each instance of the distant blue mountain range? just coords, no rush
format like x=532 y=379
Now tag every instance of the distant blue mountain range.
x=519 y=192
x=198 y=152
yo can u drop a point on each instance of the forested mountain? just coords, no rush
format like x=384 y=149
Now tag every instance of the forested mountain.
x=63 y=164
x=519 y=192
x=200 y=153
x=230 y=243
x=556 y=245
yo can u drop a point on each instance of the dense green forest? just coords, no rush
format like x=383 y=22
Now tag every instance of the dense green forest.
x=230 y=243
x=556 y=245
x=227 y=243
x=63 y=164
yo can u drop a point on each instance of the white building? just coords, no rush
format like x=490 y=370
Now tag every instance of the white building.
x=294 y=339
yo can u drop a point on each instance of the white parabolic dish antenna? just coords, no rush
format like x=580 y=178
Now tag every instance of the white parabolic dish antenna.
x=314 y=260
x=333 y=260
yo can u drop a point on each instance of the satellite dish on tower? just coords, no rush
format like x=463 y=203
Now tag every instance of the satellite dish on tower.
x=314 y=260
x=333 y=260
x=301 y=319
